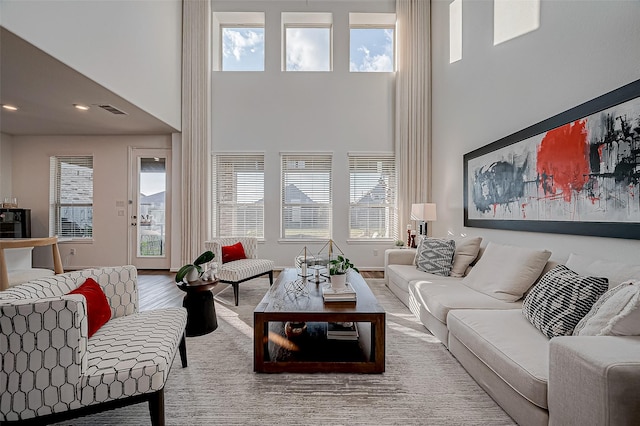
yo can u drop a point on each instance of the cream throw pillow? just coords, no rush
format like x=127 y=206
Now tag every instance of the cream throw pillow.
x=616 y=313
x=506 y=272
x=467 y=250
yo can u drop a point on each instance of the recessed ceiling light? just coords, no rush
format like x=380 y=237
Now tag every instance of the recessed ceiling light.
x=81 y=107
x=10 y=107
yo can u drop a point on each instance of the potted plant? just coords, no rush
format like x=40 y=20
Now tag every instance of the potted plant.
x=338 y=270
x=399 y=243
x=193 y=271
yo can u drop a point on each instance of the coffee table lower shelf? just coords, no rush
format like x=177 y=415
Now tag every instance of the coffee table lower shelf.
x=313 y=352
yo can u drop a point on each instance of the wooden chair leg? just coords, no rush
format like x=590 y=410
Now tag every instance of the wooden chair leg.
x=183 y=351
x=156 y=408
x=270 y=278
x=236 y=290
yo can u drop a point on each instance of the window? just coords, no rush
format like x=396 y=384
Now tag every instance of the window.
x=238 y=195
x=307 y=41
x=238 y=41
x=71 y=197
x=455 y=31
x=372 y=196
x=306 y=196
x=371 y=42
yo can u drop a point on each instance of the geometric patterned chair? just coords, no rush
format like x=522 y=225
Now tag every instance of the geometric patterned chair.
x=51 y=371
x=238 y=271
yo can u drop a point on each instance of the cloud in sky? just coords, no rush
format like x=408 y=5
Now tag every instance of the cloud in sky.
x=308 y=49
x=242 y=48
x=371 y=50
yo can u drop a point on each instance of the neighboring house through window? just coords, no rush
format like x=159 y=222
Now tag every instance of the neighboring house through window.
x=71 y=197
x=238 y=195
x=306 y=196
x=372 y=196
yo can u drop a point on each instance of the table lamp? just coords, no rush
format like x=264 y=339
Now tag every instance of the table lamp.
x=423 y=213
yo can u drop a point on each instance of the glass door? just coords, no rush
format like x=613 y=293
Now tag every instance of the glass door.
x=150 y=212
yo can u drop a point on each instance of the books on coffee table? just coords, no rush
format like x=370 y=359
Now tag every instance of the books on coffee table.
x=348 y=294
x=342 y=331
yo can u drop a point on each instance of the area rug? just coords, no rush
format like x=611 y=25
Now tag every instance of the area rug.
x=423 y=383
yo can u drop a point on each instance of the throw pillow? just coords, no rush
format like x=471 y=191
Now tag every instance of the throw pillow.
x=506 y=272
x=616 y=313
x=234 y=252
x=467 y=250
x=561 y=299
x=435 y=256
x=98 y=309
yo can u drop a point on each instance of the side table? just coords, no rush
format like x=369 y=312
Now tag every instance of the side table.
x=201 y=310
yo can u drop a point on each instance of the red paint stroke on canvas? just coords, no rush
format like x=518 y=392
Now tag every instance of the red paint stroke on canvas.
x=563 y=159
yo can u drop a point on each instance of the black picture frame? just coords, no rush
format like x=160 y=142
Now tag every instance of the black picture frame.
x=478 y=190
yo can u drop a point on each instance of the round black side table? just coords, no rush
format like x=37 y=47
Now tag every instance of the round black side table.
x=201 y=311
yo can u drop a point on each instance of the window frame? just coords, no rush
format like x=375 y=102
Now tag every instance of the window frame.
x=322 y=158
x=391 y=208
x=306 y=20
x=222 y=20
x=216 y=203
x=374 y=21
x=55 y=196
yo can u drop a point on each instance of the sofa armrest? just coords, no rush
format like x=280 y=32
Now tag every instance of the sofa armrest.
x=594 y=380
x=42 y=342
x=399 y=256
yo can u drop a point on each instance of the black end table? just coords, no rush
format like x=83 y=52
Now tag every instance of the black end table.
x=201 y=311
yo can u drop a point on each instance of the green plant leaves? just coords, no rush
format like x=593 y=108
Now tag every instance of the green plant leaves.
x=205 y=257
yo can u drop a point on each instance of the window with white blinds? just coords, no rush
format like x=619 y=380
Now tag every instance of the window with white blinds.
x=372 y=196
x=306 y=196
x=238 y=195
x=71 y=197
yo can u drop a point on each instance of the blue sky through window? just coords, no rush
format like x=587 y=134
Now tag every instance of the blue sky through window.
x=242 y=49
x=371 y=50
x=308 y=49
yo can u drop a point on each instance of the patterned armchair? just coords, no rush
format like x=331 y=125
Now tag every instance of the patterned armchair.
x=52 y=371
x=242 y=270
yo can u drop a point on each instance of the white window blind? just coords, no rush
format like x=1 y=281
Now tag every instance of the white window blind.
x=306 y=196
x=71 y=196
x=238 y=195
x=372 y=196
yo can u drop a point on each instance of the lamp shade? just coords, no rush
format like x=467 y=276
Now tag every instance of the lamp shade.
x=424 y=211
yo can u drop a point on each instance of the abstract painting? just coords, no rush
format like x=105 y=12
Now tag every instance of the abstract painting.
x=575 y=173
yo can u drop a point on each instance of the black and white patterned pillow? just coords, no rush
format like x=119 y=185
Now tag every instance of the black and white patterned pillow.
x=561 y=299
x=435 y=255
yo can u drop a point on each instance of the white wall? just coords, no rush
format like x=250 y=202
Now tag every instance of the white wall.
x=132 y=48
x=111 y=173
x=5 y=166
x=274 y=111
x=581 y=50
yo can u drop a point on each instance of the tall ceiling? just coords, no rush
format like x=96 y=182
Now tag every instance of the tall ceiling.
x=45 y=91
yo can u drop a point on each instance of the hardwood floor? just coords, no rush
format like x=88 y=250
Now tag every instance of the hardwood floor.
x=157 y=288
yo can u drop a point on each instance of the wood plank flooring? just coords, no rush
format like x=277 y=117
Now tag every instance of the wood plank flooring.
x=157 y=288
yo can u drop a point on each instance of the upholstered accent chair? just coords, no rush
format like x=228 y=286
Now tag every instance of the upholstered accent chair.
x=238 y=271
x=52 y=371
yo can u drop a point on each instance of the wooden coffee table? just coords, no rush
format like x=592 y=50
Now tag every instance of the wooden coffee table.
x=312 y=352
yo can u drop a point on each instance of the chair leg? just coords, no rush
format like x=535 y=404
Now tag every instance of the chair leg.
x=236 y=290
x=270 y=278
x=183 y=351
x=156 y=408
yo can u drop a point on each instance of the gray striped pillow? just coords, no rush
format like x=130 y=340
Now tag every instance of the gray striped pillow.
x=435 y=256
x=561 y=299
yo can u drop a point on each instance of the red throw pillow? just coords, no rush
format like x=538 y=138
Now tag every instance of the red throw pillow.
x=98 y=309
x=234 y=252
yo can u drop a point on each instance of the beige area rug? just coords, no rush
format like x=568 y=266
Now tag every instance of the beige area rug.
x=423 y=383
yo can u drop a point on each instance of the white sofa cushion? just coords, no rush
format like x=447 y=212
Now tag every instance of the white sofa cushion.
x=440 y=295
x=401 y=275
x=467 y=250
x=616 y=313
x=615 y=272
x=509 y=345
x=506 y=272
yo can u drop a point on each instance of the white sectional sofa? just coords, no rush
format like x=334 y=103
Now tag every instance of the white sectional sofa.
x=568 y=380
x=52 y=370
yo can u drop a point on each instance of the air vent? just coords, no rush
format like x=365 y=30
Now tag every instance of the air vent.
x=112 y=109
